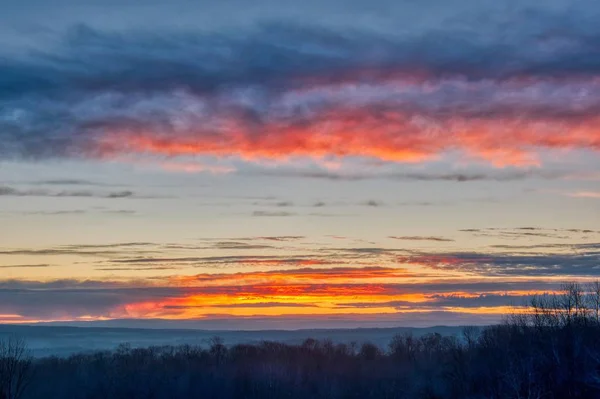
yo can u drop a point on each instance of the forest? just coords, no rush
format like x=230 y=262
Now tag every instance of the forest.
x=550 y=349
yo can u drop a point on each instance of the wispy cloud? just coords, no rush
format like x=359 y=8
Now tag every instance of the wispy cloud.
x=316 y=92
x=272 y=238
x=422 y=238
x=11 y=191
x=68 y=182
x=498 y=176
x=373 y=203
x=240 y=245
x=90 y=250
x=581 y=263
x=57 y=213
x=585 y=194
x=272 y=213
x=236 y=260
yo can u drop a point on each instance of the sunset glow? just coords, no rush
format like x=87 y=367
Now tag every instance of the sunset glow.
x=283 y=166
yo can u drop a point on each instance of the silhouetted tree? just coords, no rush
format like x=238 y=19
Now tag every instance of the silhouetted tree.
x=551 y=351
x=15 y=368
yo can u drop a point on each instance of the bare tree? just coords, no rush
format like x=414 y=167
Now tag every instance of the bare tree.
x=15 y=368
x=594 y=299
x=470 y=335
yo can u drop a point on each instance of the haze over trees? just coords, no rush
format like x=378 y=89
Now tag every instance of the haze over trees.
x=550 y=351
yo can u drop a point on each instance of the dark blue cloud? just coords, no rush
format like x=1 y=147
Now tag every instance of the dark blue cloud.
x=57 y=101
x=582 y=260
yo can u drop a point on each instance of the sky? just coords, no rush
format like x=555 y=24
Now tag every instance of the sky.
x=305 y=164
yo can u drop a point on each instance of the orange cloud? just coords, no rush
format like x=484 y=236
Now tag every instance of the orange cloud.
x=385 y=134
x=360 y=291
x=338 y=275
x=585 y=194
x=309 y=292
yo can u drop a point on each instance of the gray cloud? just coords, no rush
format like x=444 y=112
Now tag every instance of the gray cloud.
x=137 y=269
x=58 y=252
x=113 y=245
x=437 y=301
x=71 y=299
x=95 y=250
x=120 y=194
x=527 y=231
x=69 y=182
x=239 y=245
x=279 y=238
x=235 y=260
x=42 y=265
x=498 y=176
x=120 y=212
x=54 y=213
x=372 y=203
x=328 y=214
x=59 y=101
x=11 y=191
x=78 y=212
x=582 y=263
x=422 y=238
x=272 y=214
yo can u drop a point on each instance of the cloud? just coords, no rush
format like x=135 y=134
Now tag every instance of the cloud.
x=136 y=269
x=250 y=305
x=556 y=246
x=498 y=176
x=373 y=203
x=69 y=182
x=58 y=252
x=120 y=194
x=259 y=251
x=420 y=203
x=585 y=194
x=42 y=265
x=422 y=238
x=271 y=238
x=112 y=245
x=14 y=192
x=445 y=301
x=91 y=250
x=328 y=215
x=78 y=212
x=69 y=299
x=280 y=238
x=272 y=214
x=582 y=263
x=239 y=245
x=284 y=91
x=352 y=291
x=54 y=213
x=236 y=260
x=527 y=232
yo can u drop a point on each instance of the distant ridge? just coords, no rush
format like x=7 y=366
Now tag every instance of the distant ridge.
x=266 y=323
x=48 y=339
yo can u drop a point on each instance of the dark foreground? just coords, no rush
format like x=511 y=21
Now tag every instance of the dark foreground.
x=554 y=353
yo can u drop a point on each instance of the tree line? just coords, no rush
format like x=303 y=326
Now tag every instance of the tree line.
x=552 y=350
